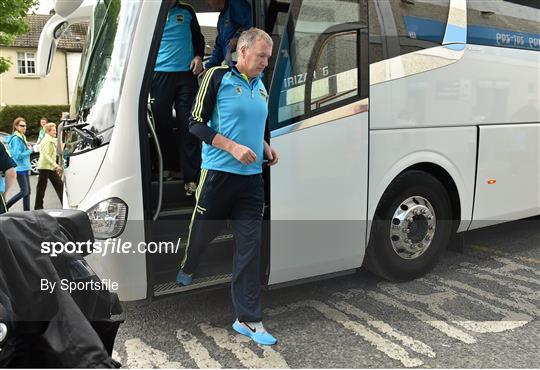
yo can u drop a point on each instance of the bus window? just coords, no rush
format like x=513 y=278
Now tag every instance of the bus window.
x=340 y=56
x=311 y=52
x=100 y=84
x=276 y=22
x=399 y=27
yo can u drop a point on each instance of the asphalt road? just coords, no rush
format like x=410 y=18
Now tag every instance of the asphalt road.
x=50 y=200
x=476 y=309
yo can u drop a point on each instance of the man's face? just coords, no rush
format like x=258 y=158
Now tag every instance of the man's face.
x=256 y=57
x=216 y=5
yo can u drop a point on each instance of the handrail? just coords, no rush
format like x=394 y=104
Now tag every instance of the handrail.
x=152 y=130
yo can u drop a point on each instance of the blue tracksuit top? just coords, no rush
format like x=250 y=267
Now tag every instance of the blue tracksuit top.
x=235 y=18
x=19 y=151
x=229 y=104
x=181 y=41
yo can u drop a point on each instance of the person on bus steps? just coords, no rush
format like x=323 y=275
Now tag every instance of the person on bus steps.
x=47 y=166
x=234 y=17
x=178 y=63
x=7 y=168
x=20 y=151
x=43 y=121
x=231 y=184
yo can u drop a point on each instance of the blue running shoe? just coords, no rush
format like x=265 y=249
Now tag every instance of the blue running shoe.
x=183 y=279
x=255 y=331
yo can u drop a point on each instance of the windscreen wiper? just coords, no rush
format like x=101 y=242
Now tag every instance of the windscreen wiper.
x=91 y=137
x=95 y=140
x=72 y=123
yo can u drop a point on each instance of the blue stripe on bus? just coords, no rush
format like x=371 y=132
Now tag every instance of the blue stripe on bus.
x=424 y=29
x=430 y=30
x=505 y=38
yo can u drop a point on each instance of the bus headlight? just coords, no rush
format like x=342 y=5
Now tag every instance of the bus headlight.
x=108 y=218
x=3 y=331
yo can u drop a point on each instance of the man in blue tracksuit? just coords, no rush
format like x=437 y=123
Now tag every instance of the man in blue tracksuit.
x=229 y=116
x=7 y=168
x=234 y=17
x=178 y=63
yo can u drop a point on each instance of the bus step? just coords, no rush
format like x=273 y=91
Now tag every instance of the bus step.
x=165 y=264
x=173 y=193
x=222 y=238
x=172 y=287
x=177 y=213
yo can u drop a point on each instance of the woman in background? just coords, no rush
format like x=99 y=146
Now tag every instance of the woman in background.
x=47 y=166
x=20 y=152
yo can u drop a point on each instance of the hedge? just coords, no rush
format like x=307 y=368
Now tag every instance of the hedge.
x=32 y=114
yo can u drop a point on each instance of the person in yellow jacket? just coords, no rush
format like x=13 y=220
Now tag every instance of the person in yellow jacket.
x=47 y=166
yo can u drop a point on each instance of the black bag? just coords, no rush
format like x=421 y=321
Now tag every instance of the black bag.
x=55 y=329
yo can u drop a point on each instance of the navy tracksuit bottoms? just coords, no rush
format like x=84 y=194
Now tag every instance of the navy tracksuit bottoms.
x=240 y=198
x=178 y=88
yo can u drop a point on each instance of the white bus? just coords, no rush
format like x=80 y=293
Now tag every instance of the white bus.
x=399 y=123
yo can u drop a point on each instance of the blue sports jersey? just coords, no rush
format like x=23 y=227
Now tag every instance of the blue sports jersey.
x=176 y=47
x=235 y=18
x=231 y=105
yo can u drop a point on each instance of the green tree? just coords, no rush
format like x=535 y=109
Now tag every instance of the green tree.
x=12 y=23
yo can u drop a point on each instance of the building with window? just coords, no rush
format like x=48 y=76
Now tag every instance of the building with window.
x=20 y=85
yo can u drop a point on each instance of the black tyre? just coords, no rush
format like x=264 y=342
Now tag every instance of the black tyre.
x=411 y=227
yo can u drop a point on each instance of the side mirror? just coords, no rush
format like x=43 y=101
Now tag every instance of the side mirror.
x=53 y=30
x=65 y=7
x=47 y=44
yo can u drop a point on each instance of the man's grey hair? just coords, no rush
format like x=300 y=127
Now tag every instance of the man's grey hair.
x=249 y=37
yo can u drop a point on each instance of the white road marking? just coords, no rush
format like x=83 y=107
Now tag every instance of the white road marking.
x=440 y=325
x=506 y=254
x=237 y=344
x=520 y=301
x=389 y=348
x=386 y=346
x=141 y=355
x=510 y=319
x=196 y=350
x=385 y=328
x=472 y=269
x=443 y=295
x=509 y=266
x=513 y=265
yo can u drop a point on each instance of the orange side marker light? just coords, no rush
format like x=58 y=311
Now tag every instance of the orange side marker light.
x=492 y=182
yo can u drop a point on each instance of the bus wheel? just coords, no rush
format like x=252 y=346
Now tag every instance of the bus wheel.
x=411 y=227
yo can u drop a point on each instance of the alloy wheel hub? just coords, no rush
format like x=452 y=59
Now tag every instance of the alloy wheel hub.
x=412 y=227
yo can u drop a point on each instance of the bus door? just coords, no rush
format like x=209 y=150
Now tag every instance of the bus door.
x=318 y=120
